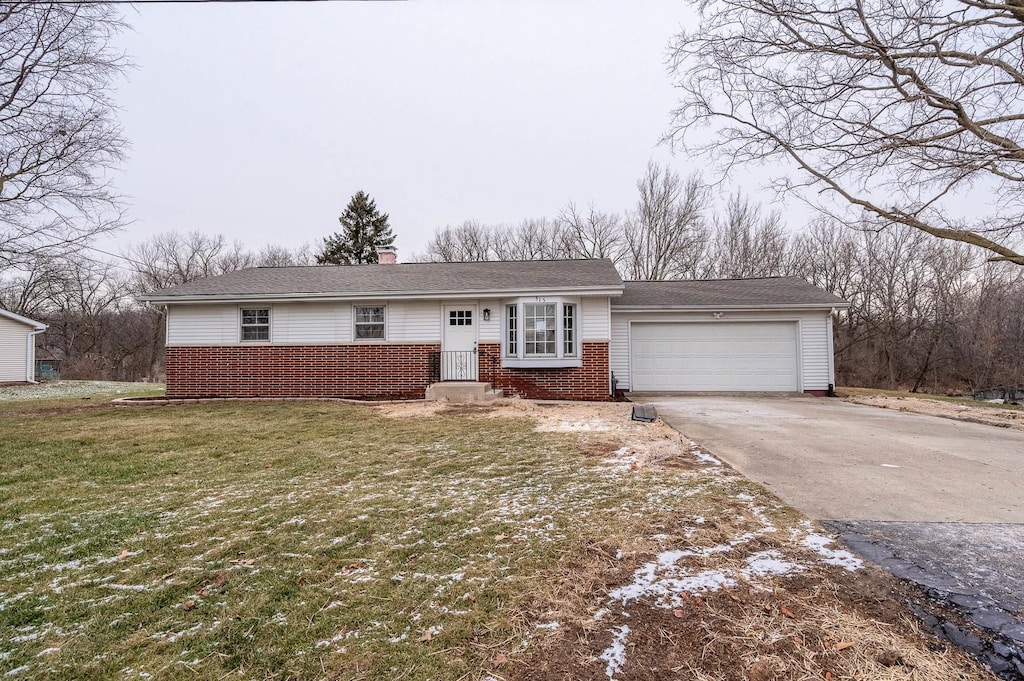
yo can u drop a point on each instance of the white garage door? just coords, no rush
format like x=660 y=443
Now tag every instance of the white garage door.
x=727 y=356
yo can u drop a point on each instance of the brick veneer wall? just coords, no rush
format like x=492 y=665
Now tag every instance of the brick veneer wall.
x=588 y=382
x=358 y=371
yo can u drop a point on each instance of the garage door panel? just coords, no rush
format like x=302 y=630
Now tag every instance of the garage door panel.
x=722 y=356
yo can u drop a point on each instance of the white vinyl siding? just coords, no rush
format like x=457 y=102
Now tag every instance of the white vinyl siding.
x=202 y=324
x=407 y=321
x=594 y=321
x=302 y=323
x=816 y=352
x=813 y=342
x=310 y=323
x=490 y=330
x=414 y=321
x=13 y=350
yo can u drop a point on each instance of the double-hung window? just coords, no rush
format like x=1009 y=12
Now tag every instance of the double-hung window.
x=541 y=333
x=369 y=322
x=255 y=324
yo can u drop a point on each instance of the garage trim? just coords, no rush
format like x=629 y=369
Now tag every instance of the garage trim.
x=752 y=320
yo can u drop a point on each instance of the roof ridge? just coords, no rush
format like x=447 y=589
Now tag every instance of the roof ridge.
x=442 y=262
x=680 y=281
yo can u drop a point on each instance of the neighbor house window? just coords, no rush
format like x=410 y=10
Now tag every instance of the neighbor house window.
x=255 y=324
x=541 y=332
x=369 y=323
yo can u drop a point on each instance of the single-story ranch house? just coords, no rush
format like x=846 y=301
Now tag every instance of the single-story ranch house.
x=18 y=347
x=560 y=329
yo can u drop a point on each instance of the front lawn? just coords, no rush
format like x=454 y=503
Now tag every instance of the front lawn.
x=325 y=540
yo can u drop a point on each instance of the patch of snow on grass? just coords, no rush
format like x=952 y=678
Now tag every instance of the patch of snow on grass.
x=615 y=654
x=548 y=625
x=704 y=457
x=841 y=557
x=664 y=580
x=595 y=425
x=768 y=563
x=126 y=587
x=17 y=670
x=623 y=459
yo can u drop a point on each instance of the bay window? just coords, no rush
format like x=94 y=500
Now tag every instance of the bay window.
x=541 y=332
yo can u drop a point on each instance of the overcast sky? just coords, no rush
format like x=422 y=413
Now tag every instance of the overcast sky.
x=259 y=121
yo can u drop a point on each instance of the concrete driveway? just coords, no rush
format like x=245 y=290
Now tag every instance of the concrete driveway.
x=839 y=461
x=937 y=501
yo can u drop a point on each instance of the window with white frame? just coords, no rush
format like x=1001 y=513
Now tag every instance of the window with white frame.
x=511 y=331
x=369 y=322
x=255 y=324
x=541 y=332
x=568 y=330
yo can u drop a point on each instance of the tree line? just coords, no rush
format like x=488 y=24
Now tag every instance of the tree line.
x=926 y=314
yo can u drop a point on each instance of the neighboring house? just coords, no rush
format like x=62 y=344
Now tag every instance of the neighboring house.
x=567 y=329
x=18 y=347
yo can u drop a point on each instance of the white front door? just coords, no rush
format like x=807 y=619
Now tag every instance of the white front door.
x=458 y=345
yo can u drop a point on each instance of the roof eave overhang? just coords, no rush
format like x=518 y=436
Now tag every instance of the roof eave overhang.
x=731 y=308
x=36 y=326
x=382 y=295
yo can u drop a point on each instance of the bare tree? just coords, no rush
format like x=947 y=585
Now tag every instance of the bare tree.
x=896 y=109
x=29 y=289
x=172 y=258
x=280 y=256
x=466 y=242
x=591 y=233
x=665 y=236
x=531 y=239
x=58 y=132
x=747 y=242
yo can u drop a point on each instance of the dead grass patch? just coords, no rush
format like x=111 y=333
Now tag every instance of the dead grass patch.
x=1000 y=415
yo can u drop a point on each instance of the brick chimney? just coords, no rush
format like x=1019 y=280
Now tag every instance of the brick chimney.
x=387 y=255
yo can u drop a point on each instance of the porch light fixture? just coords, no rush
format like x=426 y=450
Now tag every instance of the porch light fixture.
x=487 y=314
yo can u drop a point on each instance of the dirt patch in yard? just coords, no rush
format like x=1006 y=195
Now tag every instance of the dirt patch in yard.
x=604 y=429
x=827 y=624
x=981 y=413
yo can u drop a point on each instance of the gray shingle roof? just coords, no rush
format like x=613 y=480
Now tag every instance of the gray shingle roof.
x=771 y=292
x=401 y=278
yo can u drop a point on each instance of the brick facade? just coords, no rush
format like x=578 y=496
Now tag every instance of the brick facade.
x=364 y=371
x=588 y=382
x=358 y=371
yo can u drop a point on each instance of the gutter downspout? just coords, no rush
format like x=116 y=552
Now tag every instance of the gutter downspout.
x=30 y=354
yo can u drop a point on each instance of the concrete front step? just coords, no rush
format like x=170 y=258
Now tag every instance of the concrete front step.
x=462 y=391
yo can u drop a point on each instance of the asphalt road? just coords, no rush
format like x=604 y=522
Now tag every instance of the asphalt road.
x=936 y=501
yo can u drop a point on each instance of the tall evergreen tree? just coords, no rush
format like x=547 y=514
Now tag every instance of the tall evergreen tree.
x=363 y=230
